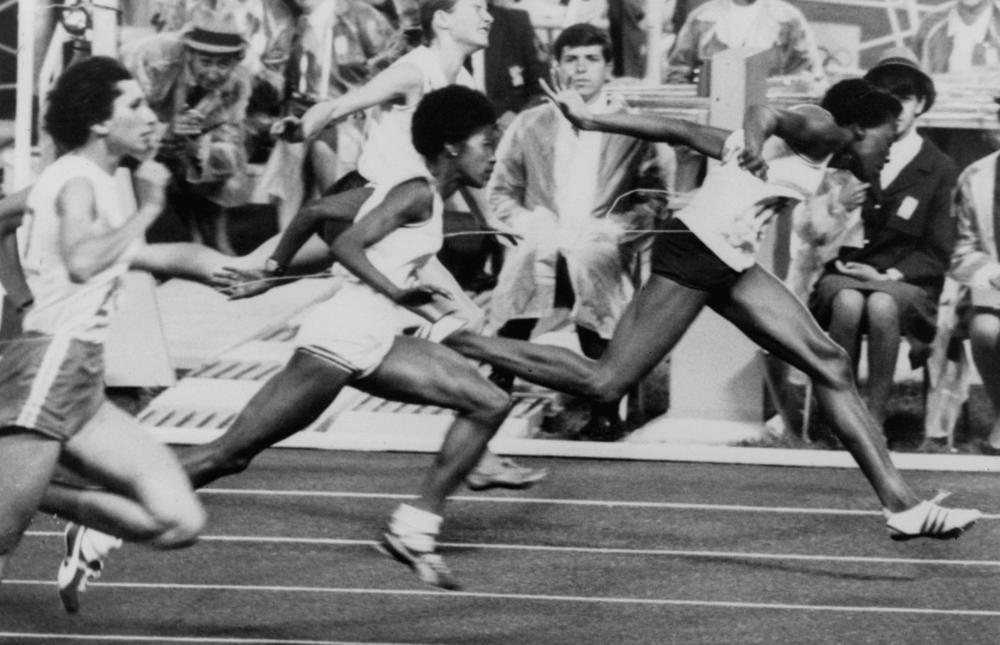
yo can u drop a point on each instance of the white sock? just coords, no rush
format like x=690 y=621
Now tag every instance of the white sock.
x=416 y=527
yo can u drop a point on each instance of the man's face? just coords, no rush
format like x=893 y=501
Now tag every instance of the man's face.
x=211 y=71
x=132 y=126
x=584 y=69
x=870 y=150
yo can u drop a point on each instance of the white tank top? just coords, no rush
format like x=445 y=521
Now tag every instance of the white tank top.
x=388 y=151
x=80 y=310
x=401 y=255
x=731 y=208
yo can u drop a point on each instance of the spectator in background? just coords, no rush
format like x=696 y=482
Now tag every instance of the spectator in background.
x=512 y=63
x=964 y=37
x=196 y=86
x=340 y=38
x=889 y=287
x=268 y=26
x=556 y=186
x=718 y=25
x=976 y=263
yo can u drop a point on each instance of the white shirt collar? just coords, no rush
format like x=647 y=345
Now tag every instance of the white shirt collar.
x=902 y=152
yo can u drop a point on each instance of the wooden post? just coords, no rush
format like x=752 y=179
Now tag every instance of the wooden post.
x=716 y=372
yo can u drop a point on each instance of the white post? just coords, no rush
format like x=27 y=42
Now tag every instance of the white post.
x=654 y=42
x=25 y=92
x=715 y=371
x=104 y=36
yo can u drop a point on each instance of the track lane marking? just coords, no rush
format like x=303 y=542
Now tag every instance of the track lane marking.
x=557 y=502
x=115 y=638
x=607 y=600
x=680 y=553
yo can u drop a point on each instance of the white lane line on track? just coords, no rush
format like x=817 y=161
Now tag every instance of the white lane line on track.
x=556 y=502
x=121 y=638
x=608 y=600
x=676 y=553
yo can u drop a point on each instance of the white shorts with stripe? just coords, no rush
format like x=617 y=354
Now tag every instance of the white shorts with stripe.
x=355 y=329
x=52 y=385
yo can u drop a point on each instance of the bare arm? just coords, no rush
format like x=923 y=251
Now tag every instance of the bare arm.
x=88 y=243
x=811 y=131
x=409 y=205
x=12 y=278
x=393 y=82
x=705 y=139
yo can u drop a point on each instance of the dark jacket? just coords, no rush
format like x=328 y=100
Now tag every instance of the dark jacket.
x=917 y=238
x=514 y=60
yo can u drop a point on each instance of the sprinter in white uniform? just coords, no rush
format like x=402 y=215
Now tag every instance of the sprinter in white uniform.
x=75 y=243
x=354 y=338
x=705 y=257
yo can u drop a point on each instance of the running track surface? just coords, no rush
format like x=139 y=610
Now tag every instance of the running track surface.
x=603 y=552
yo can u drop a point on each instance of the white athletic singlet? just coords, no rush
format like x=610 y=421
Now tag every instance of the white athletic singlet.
x=402 y=253
x=356 y=328
x=78 y=310
x=388 y=151
x=729 y=211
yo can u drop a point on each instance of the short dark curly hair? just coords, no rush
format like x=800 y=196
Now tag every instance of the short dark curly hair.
x=449 y=115
x=82 y=97
x=855 y=101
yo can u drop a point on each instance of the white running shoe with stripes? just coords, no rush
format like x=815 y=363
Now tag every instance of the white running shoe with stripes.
x=82 y=563
x=428 y=565
x=929 y=519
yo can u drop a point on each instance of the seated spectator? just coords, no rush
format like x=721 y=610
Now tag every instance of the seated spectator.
x=339 y=38
x=197 y=87
x=718 y=25
x=975 y=263
x=964 y=37
x=889 y=287
x=556 y=186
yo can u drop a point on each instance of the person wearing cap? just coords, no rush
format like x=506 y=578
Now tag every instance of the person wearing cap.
x=197 y=86
x=888 y=287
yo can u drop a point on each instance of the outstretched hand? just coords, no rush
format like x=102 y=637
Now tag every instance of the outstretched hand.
x=569 y=102
x=242 y=283
x=753 y=162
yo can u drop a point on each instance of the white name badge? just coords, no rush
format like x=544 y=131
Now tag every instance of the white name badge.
x=907 y=207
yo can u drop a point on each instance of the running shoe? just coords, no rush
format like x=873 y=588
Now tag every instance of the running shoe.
x=504 y=473
x=428 y=565
x=928 y=519
x=75 y=572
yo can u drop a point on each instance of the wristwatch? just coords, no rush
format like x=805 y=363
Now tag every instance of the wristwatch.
x=274 y=267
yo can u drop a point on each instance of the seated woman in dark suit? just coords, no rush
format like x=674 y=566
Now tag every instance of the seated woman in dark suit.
x=889 y=287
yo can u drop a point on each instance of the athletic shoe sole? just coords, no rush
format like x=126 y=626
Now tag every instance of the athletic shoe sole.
x=392 y=546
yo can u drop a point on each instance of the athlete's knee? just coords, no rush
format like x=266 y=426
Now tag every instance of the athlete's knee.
x=182 y=527
x=491 y=405
x=831 y=365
